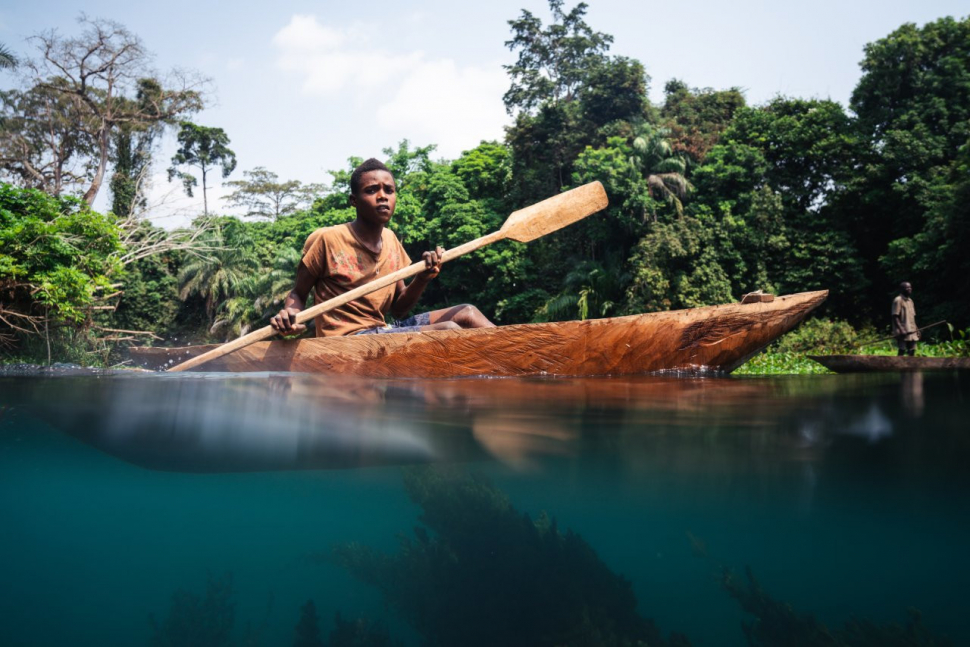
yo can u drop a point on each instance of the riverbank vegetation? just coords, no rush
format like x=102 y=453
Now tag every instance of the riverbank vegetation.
x=710 y=197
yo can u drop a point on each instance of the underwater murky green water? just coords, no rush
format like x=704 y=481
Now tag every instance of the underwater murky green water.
x=209 y=509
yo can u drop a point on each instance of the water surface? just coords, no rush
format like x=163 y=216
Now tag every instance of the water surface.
x=126 y=497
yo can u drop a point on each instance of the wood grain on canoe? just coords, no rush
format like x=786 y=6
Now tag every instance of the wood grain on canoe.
x=715 y=338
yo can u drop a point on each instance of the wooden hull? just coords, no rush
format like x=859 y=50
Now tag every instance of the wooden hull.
x=713 y=338
x=888 y=363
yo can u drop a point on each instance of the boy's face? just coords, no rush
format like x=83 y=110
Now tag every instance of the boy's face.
x=376 y=198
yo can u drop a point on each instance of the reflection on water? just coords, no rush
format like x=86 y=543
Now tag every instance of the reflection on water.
x=669 y=510
x=216 y=423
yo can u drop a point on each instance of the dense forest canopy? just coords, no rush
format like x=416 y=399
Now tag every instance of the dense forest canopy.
x=710 y=198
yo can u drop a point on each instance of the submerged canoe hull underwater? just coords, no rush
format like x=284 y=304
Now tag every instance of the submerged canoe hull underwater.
x=889 y=363
x=714 y=338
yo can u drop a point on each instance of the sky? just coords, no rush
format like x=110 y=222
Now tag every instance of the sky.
x=302 y=86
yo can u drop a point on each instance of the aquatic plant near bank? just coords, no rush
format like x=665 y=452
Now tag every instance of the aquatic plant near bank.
x=196 y=621
x=308 y=628
x=358 y=633
x=819 y=336
x=479 y=572
x=777 y=624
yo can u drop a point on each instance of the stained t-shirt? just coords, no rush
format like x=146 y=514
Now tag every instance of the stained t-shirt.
x=904 y=308
x=339 y=263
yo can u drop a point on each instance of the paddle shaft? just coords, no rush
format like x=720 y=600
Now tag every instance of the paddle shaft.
x=523 y=225
x=876 y=341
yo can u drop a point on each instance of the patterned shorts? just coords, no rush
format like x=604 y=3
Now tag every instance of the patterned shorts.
x=410 y=324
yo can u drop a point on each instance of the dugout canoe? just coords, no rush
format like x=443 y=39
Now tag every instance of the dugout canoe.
x=708 y=339
x=888 y=363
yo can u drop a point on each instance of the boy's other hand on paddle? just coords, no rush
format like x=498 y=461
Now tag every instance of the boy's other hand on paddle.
x=285 y=322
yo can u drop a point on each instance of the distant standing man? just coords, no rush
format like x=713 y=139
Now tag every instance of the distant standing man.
x=904 y=320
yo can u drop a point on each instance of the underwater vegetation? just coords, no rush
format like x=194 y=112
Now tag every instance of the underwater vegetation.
x=195 y=621
x=346 y=633
x=777 y=624
x=479 y=572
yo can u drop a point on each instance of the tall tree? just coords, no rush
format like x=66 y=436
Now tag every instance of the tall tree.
x=264 y=196
x=913 y=107
x=133 y=144
x=42 y=145
x=99 y=74
x=205 y=149
x=801 y=153
x=554 y=61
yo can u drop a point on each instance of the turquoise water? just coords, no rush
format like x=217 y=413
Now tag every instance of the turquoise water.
x=216 y=506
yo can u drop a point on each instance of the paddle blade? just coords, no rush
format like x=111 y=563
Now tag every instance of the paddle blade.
x=555 y=213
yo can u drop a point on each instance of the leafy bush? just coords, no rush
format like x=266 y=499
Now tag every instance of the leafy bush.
x=822 y=337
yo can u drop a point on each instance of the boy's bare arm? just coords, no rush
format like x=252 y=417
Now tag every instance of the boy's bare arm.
x=405 y=296
x=285 y=321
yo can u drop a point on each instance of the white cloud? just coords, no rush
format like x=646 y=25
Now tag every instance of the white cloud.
x=406 y=94
x=328 y=62
x=456 y=107
x=304 y=34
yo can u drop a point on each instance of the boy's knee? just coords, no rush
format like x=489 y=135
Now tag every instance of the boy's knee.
x=471 y=317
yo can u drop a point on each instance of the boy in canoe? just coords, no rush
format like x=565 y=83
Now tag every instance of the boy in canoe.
x=340 y=258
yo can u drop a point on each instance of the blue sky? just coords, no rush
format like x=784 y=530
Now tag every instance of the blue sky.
x=301 y=86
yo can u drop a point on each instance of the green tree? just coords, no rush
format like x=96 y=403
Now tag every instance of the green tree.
x=663 y=170
x=615 y=89
x=552 y=62
x=913 y=108
x=216 y=276
x=257 y=296
x=133 y=144
x=486 y=171
x=58 y=259
x=696 y=118
x=935 y=258
x=676 y=266
x=205 y=149
x=264 y=196
x=591 y=289
x=802 y=152
x=100 y=73
x=41 y=144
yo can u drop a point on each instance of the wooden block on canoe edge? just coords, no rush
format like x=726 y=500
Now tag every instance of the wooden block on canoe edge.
x=757 y=297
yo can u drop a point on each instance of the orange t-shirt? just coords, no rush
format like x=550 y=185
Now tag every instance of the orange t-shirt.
x=340 y=263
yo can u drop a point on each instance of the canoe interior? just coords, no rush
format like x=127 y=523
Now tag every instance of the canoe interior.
x=713 y=338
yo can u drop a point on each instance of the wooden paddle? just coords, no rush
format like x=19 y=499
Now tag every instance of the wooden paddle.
x=523 y=226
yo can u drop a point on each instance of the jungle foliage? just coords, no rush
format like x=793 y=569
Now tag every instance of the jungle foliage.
x=710 y=198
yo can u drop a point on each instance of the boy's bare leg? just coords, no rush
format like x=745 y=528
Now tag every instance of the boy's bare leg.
x=463 y=316
x=441 y=325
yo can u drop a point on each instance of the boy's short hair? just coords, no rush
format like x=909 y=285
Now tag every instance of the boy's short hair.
x=370 y=165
